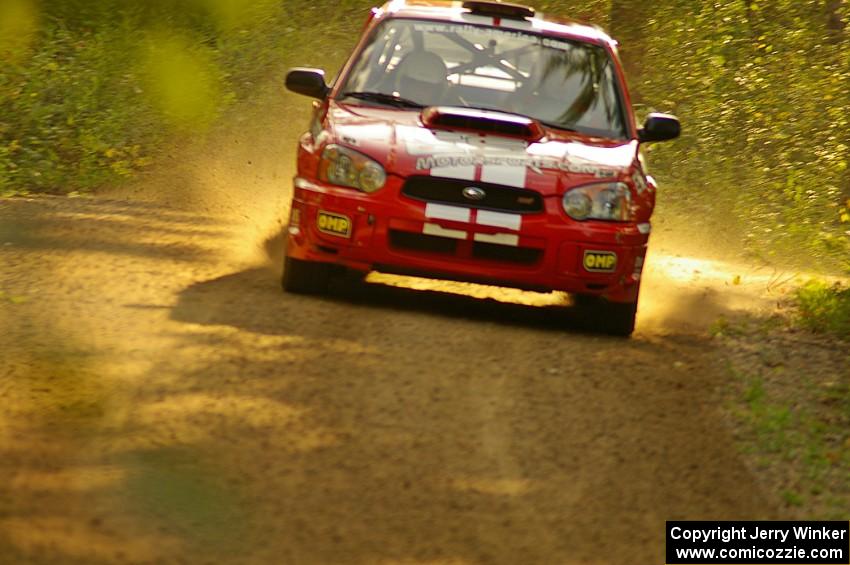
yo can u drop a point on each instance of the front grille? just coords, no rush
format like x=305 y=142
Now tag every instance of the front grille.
x=422 y=242
x=450 y=191
x=493 y=252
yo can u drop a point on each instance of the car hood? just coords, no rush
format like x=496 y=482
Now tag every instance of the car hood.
x=405 y=147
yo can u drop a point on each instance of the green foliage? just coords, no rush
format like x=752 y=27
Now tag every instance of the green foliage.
x=761 y=88
x=90 y=90
x=824 y=308
x=594 y=12
x=68 y=118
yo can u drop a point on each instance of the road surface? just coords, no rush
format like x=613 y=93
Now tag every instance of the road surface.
x=164 y=402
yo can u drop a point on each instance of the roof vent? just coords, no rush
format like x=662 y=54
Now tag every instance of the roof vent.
x=482 y=121
x=499 y=9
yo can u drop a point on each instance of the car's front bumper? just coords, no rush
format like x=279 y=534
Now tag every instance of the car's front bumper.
x=393 y=233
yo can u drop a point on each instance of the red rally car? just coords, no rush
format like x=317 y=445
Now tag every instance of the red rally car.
x=477 y=141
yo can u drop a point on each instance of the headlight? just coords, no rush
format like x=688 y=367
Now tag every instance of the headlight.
x=345 y=167
x=603 y=201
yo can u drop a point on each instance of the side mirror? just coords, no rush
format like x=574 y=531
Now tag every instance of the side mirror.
x=660 y=127
x=309 y=82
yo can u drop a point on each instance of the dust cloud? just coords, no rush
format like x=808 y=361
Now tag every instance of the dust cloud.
x=241 y=174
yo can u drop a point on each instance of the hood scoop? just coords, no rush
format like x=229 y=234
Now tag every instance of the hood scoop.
x=481 y=121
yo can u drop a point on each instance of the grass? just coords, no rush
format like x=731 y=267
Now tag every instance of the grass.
x=770 y=421
x=794 y=424
x=806 y=448
x=790 y=394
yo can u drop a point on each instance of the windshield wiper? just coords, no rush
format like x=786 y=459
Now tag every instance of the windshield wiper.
x=384 y=98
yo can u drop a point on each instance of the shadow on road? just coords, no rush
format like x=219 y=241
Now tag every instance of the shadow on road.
x=226 y=299
x=142 y=230
x=445 y=428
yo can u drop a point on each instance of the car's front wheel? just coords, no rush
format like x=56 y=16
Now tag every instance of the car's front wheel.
x=613 y=318
x=305 y=277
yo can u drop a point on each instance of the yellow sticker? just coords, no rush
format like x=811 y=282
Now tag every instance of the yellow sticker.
x=600 y=261
x=334 y=224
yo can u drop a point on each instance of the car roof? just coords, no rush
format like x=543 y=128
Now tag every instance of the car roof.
x=443 y=10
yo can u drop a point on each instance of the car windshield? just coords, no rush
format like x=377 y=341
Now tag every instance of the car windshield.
x=564 y=84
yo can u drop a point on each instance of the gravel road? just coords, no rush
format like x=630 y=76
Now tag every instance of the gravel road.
x=164 y=402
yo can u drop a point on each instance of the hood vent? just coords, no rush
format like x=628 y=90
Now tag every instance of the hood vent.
x=481 y=121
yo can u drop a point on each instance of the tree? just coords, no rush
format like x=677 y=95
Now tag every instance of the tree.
x=628 y=20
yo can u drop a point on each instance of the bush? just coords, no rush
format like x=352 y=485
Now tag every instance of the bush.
x=72 y=117
x=825 y=308
x=96 y=88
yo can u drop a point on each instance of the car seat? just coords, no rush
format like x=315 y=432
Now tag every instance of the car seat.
x=421 y=76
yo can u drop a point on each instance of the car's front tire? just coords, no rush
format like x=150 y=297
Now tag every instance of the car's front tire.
x=612 y=318
x=305 y=277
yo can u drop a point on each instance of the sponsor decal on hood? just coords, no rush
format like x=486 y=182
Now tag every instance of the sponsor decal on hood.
x=439 y=149
x=405 y=147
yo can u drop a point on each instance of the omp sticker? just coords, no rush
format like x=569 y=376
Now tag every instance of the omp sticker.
x=498 y=238
x=333 y=224
x=600 y=261
x=443 y=212
x=499 y=220
x=440 y=231
x=507 y=175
